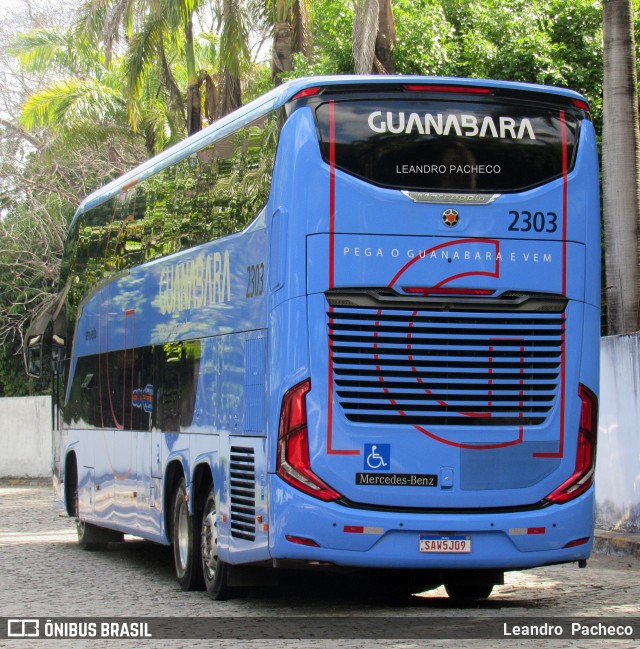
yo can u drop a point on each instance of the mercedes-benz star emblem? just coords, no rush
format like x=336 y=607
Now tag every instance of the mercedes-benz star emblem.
x=451 y=218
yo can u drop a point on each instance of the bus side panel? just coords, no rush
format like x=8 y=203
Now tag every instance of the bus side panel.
x=103 y=442
x=584 y=208
x=299 y=204
x=77 y=446
x=243 y=520
x=240 y=475
x=288 y=361
x=590 y=363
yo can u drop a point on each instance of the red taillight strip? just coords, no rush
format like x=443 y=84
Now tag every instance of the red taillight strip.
x=301 y=540
x=443 y=290
x=583 y=105
x=582 y=477
x=469 y=90
x=307 y=92
x=293 y=463
x=577 y=542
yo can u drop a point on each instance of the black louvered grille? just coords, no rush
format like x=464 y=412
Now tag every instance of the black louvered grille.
x=437 y=368
x=242 y=476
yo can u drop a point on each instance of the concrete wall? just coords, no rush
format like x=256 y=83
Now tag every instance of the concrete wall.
x=618 y=464
x=25 y=437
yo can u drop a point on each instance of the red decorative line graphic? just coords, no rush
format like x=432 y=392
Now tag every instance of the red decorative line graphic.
x=332 y=221
x=565 y=233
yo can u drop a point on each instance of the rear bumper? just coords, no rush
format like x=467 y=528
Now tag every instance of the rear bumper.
x=383 y=539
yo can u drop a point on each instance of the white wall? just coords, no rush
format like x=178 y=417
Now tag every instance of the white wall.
x=25 y=437
x=618 y=462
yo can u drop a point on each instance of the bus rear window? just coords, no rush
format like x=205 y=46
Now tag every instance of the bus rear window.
x=448 y=145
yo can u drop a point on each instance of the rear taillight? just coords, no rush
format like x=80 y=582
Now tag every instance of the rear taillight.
x=307 y=92
x=464 y=90
x=576 y=542
x=293 y=464
x=444 y=290
x=582 y=477
x=582 y=105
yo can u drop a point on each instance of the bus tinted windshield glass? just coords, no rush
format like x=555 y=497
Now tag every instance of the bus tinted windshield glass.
x=445 y=145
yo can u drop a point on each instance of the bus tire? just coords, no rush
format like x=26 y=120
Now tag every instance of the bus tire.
x=186 y=541
x=468 y=587
x=92 y=538
x=214 y=570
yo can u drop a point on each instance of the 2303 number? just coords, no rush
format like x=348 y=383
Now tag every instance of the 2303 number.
x=537 y=221
x=255 y=280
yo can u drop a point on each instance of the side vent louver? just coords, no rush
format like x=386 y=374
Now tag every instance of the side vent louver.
x=242 y=476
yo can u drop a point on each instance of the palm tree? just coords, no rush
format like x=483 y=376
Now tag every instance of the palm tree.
x=291 y=34
x=151 y=27
x=621 y=169
x=374 y=36
x=87 y=102
x=83 y=99
x=161 y=32
x=234 y=54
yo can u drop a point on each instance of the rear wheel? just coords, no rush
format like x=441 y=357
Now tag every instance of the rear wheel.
x=214 y=570
x=186 y=541
x=468 y=587
x=91 y=537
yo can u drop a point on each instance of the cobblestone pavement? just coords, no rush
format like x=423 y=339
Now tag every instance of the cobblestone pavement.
x=43 y=573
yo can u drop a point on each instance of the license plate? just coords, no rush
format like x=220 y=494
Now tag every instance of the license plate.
x=451 y=544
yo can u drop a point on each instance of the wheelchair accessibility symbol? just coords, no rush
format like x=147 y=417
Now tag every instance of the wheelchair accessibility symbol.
x=377 y=457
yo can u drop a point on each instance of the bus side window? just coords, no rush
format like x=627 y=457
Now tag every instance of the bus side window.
x=169 y=357
x=179 y=366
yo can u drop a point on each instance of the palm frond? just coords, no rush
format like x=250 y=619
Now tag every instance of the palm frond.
x=143 y=51
x=234 y=48
x=41 y=50
x=70 y=103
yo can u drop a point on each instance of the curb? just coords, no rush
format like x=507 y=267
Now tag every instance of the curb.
x=617 y=543
x=25 y=482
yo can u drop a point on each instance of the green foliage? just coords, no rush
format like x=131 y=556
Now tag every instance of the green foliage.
x=425 y=38
x=332 y=24
x=13 y=380
x=537 y=41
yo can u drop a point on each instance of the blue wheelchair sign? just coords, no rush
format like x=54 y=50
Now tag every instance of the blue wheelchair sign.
x=377 y=457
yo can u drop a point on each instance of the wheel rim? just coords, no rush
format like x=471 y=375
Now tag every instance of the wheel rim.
x=182 y=535
x=210 y=543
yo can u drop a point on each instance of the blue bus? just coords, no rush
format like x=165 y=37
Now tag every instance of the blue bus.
x=352 y=325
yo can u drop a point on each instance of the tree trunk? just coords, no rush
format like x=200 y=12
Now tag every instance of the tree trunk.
x=282 y=55
x=231 y=95
x=302 y=35
x=194 y=108
x=211 y=101
x=386 y=38
x=374 y=36
x=621 y=169
x=365 y=30
x=194 y=105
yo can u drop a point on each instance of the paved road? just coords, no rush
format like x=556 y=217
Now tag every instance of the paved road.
x=44 y=574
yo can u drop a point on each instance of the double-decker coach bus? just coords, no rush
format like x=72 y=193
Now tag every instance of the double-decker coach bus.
x=353 y=325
